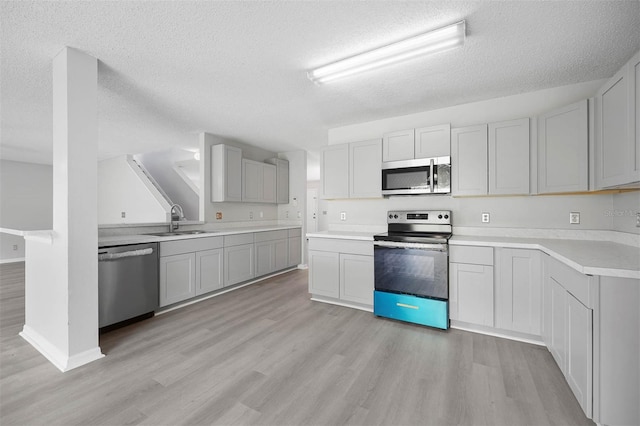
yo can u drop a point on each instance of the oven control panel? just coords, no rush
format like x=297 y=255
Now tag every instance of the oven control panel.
x=427 y=217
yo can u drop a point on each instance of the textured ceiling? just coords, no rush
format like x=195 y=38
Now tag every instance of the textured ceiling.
x=169 y=70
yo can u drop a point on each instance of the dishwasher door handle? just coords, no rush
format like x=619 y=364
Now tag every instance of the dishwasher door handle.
x=115 y=256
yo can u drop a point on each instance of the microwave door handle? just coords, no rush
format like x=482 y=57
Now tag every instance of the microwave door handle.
x=432 y=169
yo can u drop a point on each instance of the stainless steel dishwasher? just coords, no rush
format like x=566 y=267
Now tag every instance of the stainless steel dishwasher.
x=127 y=282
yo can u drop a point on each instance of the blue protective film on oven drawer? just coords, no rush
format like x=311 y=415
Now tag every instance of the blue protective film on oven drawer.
x=418 y=310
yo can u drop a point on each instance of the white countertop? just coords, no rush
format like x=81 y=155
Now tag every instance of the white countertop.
x=344 y=235
x=119 y=240
x=588 y=257
x=585 y=256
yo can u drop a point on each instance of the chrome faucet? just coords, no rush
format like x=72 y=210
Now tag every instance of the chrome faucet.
x=175 y=217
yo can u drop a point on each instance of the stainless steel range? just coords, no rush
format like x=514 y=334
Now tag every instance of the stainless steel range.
x=412 y=268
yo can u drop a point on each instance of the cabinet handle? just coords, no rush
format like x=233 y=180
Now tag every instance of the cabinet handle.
x=404 y=305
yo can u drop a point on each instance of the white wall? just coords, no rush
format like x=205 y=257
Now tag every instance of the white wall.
x=518 y=211
x=625 y=207
x=160 y=165
x=121 y=190
x=26 y=202
x=231 y=212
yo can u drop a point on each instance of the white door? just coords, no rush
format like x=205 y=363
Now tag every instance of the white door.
x=312 y=209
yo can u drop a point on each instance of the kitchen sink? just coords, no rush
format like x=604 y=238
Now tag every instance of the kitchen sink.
x=176 y=233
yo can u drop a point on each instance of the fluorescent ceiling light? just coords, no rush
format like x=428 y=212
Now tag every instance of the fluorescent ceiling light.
x=424 y=44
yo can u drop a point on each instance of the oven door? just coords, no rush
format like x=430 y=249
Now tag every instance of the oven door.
x=412 y=268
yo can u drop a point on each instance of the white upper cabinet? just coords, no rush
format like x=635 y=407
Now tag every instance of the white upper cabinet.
x=226 y=173
x=563 y=146
x=365 y=172
x=469 y=160
x=258 y=182
x=617 y=129
x=433 y=141
x=334 y=168
x=282 y=179
x=509 y=157
x=351 y=170
x=398 y=145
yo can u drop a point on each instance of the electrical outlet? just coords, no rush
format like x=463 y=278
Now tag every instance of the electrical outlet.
x=261 y=215
x=485 y=217
x=15 y=247
x=637 y=219
x=574 y=218
x=286 y=214
x=250 y=215
x=299 y=215
x=343 y=215
x=218 y=215
x=123 y=214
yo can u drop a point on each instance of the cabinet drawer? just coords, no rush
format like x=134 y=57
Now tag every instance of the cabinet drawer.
x=270 y=235
x=579 y=285
x=295 y=232
x=472 y=255
x=238 y=239
x=412 y=309
x=189 y=245
x=337 y=245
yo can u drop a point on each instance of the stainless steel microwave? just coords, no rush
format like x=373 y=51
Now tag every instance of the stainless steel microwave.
x=419 y=176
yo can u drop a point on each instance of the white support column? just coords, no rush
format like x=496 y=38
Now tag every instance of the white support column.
x=61 y=306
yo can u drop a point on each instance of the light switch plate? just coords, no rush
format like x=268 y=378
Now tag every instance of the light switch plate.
x=574 y=218
x=486 y=217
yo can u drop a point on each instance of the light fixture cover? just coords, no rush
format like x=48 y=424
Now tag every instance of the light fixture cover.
x=435 y=41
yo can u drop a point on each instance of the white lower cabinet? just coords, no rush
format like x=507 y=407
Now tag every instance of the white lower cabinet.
x=342 y=270
x=471 y=285
x=271 y=251
x=238 y=264
x=177 y=278
x=189 y=268
x=356 y=276
x=568 y=327
x=295 y=247
x=324 y=273
x=209 y=268
x=519 y=290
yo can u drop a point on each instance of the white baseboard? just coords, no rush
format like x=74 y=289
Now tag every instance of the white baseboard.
x=54 y=355
x=14 y=260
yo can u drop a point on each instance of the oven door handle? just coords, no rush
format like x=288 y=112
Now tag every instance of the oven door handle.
x=420 y=246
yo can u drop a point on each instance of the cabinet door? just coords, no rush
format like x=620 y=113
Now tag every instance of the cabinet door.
x=398 y=145
x=177 y=278
x=433 y=141
x=269 y=184
x=509 y=157
x=563 y=146
x=356 y=278
x=209 y=268
x=251 y=181
x=471 y=293
x=334 y=171
x=280 y=254
x=282 y=182
x=295 y=251
x=519 y=291
x=579 y=341
x=324 y=273
x=469 y=160
x=612 y=138
x=238 y=264
x=264 y=258
x=634 y=116
x=557 y=326
x=365 y=171
x=226 y=173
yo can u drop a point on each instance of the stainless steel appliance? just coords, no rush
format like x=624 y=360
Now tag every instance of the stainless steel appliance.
x=411 y=263
x=127 y=282
x=419 y=176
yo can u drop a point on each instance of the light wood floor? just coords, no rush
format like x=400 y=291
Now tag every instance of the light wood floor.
x=266 y=354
